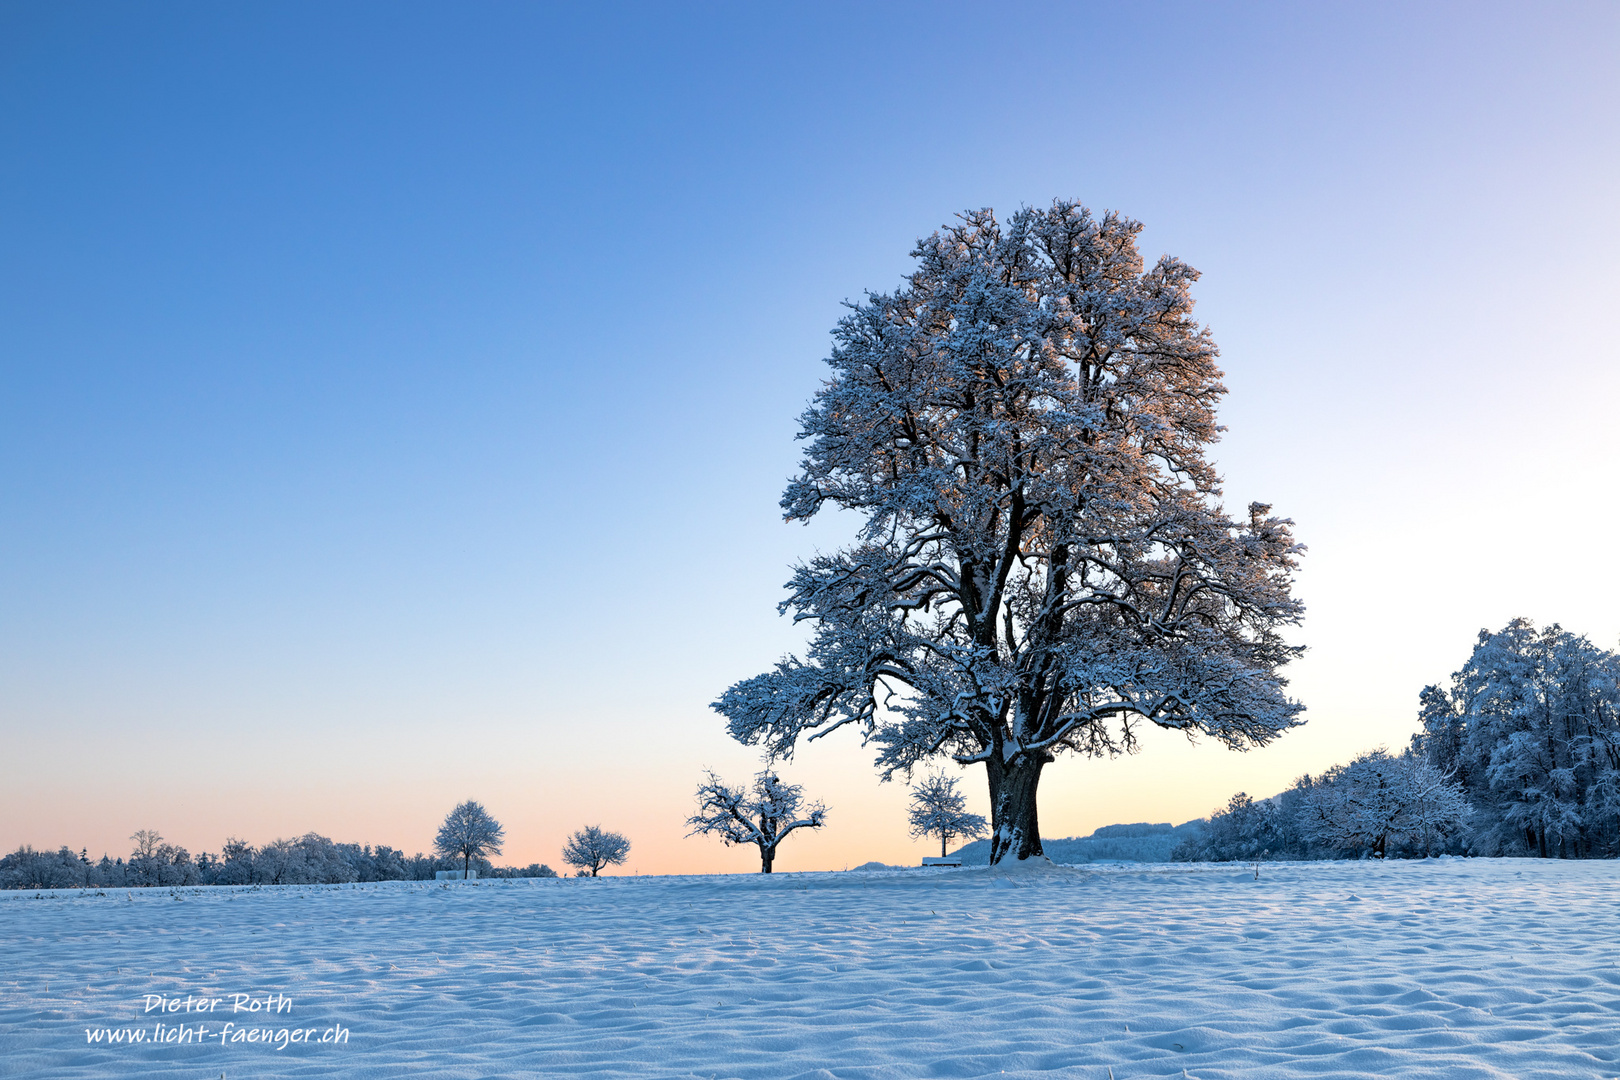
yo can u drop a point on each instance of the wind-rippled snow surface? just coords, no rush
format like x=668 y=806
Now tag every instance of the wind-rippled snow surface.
x=1443 y=968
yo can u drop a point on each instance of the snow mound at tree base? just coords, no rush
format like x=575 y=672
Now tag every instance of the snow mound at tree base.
x=1035 y=868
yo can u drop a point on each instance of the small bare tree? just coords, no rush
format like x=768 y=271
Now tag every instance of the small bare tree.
x=469 y=831
x=594 y=849
x=938 y=809
x=763 y=815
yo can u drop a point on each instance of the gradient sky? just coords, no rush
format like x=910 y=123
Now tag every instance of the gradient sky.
x=395 y=399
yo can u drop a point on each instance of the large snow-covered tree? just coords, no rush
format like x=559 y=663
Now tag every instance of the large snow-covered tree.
x=1044 y=563
x=939 y=809
x=763 y=814
x=470 y=832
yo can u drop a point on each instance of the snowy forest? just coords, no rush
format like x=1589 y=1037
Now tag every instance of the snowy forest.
x=1518 y=756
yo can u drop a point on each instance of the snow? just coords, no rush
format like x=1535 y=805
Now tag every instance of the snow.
x=1448 y=967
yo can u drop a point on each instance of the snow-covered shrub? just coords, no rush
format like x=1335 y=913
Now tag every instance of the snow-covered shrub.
x=533 y=870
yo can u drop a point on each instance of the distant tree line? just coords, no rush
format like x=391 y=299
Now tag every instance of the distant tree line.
x=464 y=842
x=310 y=859
x=1520 y=756
x=1381 y=805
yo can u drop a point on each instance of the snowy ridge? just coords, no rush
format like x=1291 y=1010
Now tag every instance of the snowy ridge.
x=1141 y=842
x=1447 y=967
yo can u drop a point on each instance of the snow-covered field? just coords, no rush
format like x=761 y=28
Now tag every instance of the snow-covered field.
x=1444 y=968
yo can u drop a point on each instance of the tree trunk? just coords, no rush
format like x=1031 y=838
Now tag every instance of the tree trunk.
x=1015 y=831
x=942 y=842
x=767 y=855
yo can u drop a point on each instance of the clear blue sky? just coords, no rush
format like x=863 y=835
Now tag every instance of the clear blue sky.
x=394 y=399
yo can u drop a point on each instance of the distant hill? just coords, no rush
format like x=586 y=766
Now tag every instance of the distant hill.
x=1141 y=842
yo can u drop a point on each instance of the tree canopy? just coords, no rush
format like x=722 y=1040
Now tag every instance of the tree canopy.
x=1043 y=562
